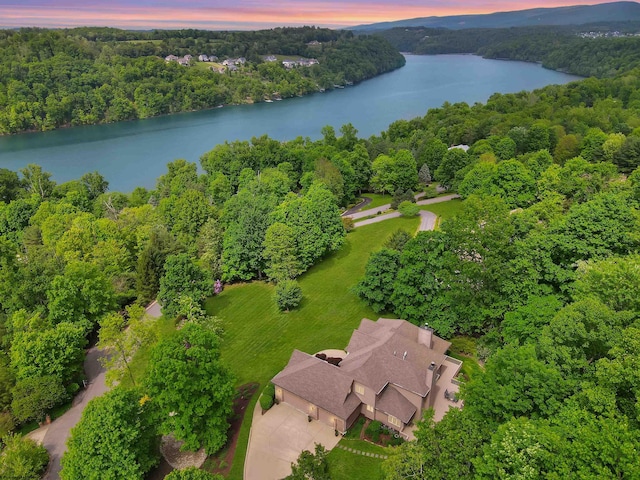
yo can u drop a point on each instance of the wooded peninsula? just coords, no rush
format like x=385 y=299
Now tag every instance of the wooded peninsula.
x=83 y=76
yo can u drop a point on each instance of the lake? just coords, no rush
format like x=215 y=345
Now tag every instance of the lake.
x=131 y=154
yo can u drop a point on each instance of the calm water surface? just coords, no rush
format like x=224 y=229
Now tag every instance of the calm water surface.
x=131 y=154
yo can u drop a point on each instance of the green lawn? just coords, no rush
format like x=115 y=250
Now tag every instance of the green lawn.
x=377 y=199
x=344 y=465
x=164 y=327
x=259 y=340
x=444 y=210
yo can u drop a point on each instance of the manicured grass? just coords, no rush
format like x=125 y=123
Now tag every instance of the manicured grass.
x=444 y=210
x=377 y=199
x=344 y=465
x=259 y=340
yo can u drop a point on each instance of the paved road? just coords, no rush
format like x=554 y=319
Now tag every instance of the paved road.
x=428 y=219
x=365 y=201
x=55 y=440
x=382 y=208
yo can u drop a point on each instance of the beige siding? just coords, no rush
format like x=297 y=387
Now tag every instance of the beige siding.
x=317 y=413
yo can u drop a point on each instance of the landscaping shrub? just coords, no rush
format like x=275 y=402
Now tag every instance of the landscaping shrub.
x=268 y=397
x=348 y=224
x=401 y=196
x=373 y=431
x=408 y=209
x=430 y=192
x=395 y=441
x=288 y=294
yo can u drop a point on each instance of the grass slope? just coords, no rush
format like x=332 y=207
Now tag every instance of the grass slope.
x=344 y=465
x=259 y=339
x=377 y=199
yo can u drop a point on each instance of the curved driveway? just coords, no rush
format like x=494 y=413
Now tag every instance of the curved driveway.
x=427 y=222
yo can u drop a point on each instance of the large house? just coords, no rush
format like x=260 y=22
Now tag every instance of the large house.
x=389 y=372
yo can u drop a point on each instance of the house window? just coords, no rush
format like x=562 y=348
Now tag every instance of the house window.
x=359 y=389
x=395 y=421
x=369 y=408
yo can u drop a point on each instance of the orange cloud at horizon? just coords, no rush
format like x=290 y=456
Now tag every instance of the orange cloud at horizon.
x=247 y=16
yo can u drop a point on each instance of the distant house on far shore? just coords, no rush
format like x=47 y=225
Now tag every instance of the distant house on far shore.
x=461 y=147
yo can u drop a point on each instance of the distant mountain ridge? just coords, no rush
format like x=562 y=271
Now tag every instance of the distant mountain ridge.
x=571 y=15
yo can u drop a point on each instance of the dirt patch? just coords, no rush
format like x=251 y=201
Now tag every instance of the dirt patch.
x=220 y=463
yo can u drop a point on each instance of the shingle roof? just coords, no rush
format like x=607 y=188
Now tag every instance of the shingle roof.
x=394 y=403
x=376 y=358
x=318 y=382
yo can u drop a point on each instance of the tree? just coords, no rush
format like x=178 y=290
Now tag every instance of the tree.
x=615 y=281
x=280 y=253
x=150 y=265
x=397 y=240
x=525 y=323
x=22 y=459
x=56 y=351
x=192 y=389
x=315 y=221
x=82 y=294
x=33 y=397
x=192 y=473
x=516 y=383
x=182 y=277
x=441 y=450
x=114 y=439
x=393 y=173
x=95 y=184
x=37 y=182
x=377 y=286
x=288 y=294
x=424 y=175
x=453 y=161
x=10 y=185
x=124 y=338
x=408 y=209
x=311 y=466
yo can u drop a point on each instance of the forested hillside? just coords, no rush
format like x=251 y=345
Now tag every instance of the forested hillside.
x=541 y=268
x=539 y=271
x=54 y=78
x=600 y=50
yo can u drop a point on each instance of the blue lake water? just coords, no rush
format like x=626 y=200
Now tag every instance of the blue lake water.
x=131 y=154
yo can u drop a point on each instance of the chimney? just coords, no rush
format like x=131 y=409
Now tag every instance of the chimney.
x=425 y=336
x=431 y=383
x=405 y=355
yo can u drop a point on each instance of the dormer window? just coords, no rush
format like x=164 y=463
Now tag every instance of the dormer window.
x=358 y=388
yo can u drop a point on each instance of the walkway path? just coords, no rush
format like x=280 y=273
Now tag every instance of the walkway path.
x=358 y=452
x=383 y=208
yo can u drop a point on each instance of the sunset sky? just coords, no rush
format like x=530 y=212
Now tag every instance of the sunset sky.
x=243 y=14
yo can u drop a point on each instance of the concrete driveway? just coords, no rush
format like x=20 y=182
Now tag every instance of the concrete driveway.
x=278 y=437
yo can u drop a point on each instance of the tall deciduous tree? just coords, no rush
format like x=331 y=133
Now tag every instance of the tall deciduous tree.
x=280 y=253
x=22 y=459
x=182 y=277
x=191 y=387
x=115 y=439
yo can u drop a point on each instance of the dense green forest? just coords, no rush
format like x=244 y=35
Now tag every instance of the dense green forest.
x=54 y=78
x=557 y=48
x=539 y=270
